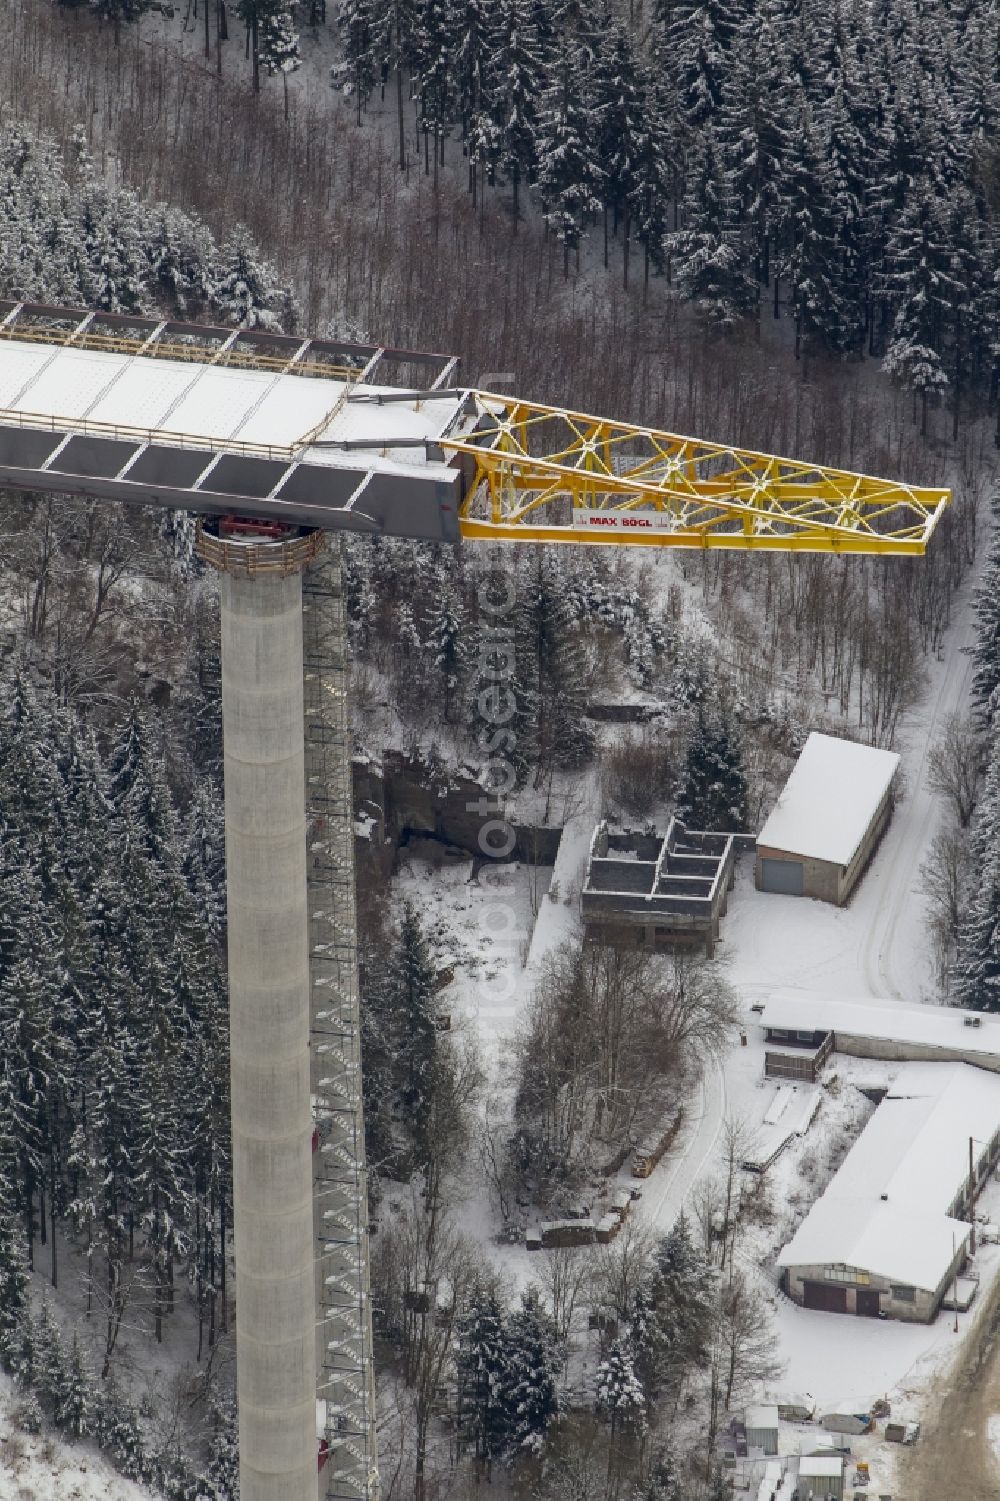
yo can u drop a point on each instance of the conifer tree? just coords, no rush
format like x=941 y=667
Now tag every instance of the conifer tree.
x=73 y=1407
x=620 y=1398
x=919 y=282
x=432 y=74
x=359 y=27
x=663 y=1482
x=113 y=262
x=51 y=1366
x=683 y=1292
x=569 y=177
x=986 y=651
x=445 y=631
x=710 y=269
x=656 y=172
x=279 y=45
x=118 y=1431
x=549 y=688
x=753 y=131
x=246 y=290
x=14 y=1280
x=471 y=26
x=808 y=257
x=520 y=67
x=620 y=118
x=410 y=1000
x=713 y=790
x=535 y=1363
x=700 y=33
x=484 y=1373
x=976 y=982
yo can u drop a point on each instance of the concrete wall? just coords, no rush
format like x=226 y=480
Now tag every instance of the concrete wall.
x=415 y=799
x=269 y=1029
x=912 y=1052
x=852 y=874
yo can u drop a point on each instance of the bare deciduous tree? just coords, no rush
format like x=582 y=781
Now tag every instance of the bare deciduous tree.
x=743 y=1347
x=622 y=1267
x=944 y=879
x=613 y=1037
x=956 y=765
x=566 y=1275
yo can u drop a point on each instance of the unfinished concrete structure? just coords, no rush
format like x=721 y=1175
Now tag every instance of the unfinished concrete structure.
x=644 y=890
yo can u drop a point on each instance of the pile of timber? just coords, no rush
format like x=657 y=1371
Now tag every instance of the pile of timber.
x=583 y=1232
x=649 y=1152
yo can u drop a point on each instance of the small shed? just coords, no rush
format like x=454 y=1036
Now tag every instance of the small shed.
x=827 y=821
x=761 y=1424
x=821 y=1477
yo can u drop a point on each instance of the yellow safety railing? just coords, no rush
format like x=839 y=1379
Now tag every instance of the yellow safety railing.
x=189 y=352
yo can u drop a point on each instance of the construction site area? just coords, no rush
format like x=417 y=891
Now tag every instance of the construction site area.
x=279 y=444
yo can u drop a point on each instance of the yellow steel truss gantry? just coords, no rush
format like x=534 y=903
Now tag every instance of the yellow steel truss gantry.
x=547 y=475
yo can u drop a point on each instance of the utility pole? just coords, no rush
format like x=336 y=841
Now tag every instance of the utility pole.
x=972 y=1200
x=954 y=1279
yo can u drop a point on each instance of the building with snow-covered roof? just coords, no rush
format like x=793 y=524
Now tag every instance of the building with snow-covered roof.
x=827 y=821
x=821 y=1475
x=890 y=1234
x=802 y=1030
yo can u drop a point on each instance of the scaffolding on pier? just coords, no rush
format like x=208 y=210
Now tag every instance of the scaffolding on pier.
x=346 y=1380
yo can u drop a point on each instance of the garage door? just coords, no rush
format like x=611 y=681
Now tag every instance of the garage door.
x=867 y=1303
x=826 y=1296
x=782 y=875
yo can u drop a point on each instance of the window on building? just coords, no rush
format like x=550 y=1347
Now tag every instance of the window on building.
x=903 y=1294
x=838 y=1272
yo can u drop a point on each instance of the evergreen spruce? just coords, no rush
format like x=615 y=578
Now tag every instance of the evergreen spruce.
x=976 y=981
x=14 y=1280
x=520 y=68
x=550 y=725
x=683 y=1293
x=711 y=271
x=412 y=1013
x=713 y=790
x=536 y=1358
x=569 y=176
x=918 y=280
x=485 y=1374
x=620 y=1398
x=73 y=1410
x=663 y=1482
x=986 y=651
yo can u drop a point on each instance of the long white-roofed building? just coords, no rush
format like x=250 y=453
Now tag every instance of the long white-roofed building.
x=827 y=821
x=892 y=1230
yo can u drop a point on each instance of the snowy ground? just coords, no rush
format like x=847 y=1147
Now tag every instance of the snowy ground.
x=875 y=947
x=43 y=1468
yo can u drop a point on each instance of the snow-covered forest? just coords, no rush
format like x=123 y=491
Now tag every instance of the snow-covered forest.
x=774 y=223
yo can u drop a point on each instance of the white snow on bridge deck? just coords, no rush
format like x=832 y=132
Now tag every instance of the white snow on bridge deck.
x=176 y=399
